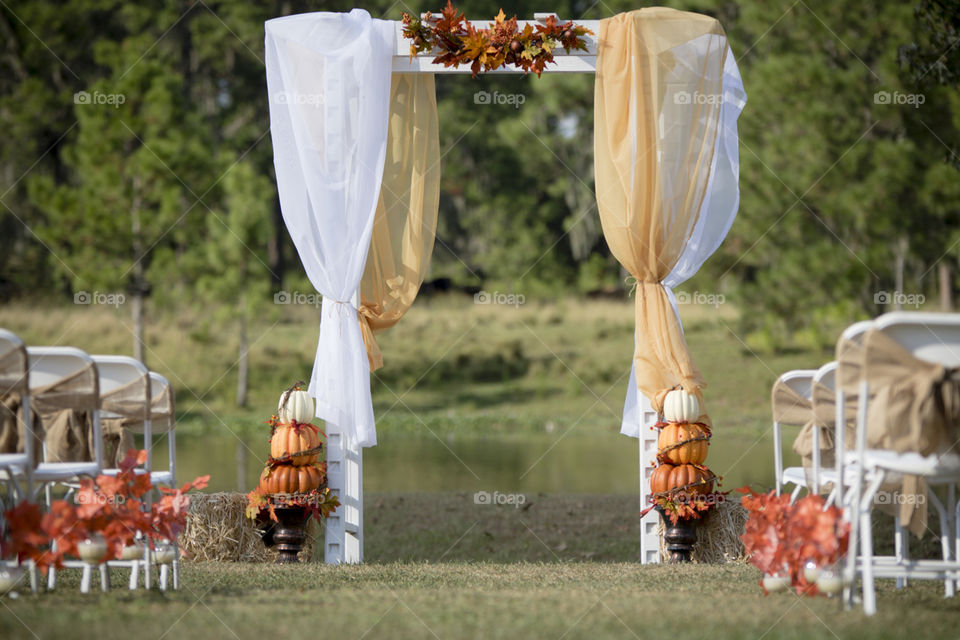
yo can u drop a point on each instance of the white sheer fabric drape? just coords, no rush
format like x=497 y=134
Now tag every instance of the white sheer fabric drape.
x=328 y=79
x=717 y=212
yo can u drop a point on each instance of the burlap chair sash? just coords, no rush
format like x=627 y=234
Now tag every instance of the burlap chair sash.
x=13 y=384
x=12 y=436
x=161 y=411
x=129 y=400
x=128 y=405
x=790 y=407
x=917 y=403
x=78 y=392
x=849 y=356
x=64 y=409
x=13 y=370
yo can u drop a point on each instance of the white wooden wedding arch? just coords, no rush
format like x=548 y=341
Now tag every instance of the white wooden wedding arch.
x=344 y=528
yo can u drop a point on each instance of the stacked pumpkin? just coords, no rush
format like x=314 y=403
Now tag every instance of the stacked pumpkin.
x=681 y=449
x=295 y=448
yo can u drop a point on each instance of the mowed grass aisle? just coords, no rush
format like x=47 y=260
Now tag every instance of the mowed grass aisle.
x=475 y=600
x=440 y=566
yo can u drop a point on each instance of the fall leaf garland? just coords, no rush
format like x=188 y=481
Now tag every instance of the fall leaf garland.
x=504 y=43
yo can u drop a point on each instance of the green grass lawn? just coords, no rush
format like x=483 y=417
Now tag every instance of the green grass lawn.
x=439 y=566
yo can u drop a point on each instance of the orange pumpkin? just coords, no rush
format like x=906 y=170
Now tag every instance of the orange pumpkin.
x=667 y=477
x=290 y=479
x=294 y=437
x=660 y=478
x=683 y=443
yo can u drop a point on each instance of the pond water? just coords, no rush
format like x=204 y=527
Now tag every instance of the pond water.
x=550 y=463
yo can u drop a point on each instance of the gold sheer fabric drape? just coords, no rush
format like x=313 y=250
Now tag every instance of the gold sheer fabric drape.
x=657 y=98
x=405 y=224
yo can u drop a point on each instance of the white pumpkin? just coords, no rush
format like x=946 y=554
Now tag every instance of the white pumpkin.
x=680 y=406
x=299 y=407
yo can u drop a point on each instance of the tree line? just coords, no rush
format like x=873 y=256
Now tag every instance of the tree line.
x=137 y=159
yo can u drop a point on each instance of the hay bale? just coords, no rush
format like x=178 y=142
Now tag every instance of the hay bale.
x=218 y=530
x=718 y=537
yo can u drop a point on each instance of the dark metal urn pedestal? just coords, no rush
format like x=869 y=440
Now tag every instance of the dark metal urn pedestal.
x=287 y=534
x=679 y=537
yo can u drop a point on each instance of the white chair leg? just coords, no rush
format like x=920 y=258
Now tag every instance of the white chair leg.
x=164 y=574
x=104 y=577
x=898 y=548
x=956 y=539
x=134 y=575
x=52 y=579
x=795 y=493
x=85 y=578
x=850 y=570
x=147 y=567
x=831 y=498
x=866 y=545
x=946 y=542
x=866 y=554
x=176 y=574
x=34 y=577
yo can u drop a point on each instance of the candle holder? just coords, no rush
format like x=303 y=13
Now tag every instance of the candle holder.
x=287 y=534
x=680 y=537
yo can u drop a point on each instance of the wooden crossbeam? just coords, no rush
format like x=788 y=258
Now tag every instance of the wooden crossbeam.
x=573 y=62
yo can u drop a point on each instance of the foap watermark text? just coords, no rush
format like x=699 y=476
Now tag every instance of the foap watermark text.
x=98 y=297
x=298 y=297
x=499 y=499
x=700 y=297
x=899 y=298
x=496 y=297
x=485 y=97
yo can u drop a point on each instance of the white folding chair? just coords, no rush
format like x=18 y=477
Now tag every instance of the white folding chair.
x=125 y=393
x=53 y=369
x=17 y=468
x=50 y=366
x=935 y=338
x=800 y=380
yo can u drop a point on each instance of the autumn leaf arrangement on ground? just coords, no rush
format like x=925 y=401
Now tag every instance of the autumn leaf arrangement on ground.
x=117 y=508
x=787 y=539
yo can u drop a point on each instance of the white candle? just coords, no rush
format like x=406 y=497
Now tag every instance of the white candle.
x=92 y=549
x=829 y=584
x=811 y=572
x=775 y=583
x=164 y=554
x=132 y=551
x=9 y=577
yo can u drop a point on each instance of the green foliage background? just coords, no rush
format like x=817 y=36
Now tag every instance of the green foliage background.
x=174 y=187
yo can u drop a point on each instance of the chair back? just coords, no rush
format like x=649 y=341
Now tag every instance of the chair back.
x=65 y=378
x=827 y=375
x=800 y=380
x=13 y=364
x=52 y=365
x=934 y=337
x=124 y=386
